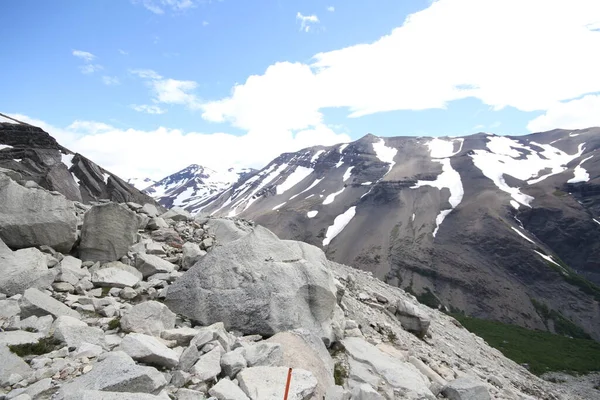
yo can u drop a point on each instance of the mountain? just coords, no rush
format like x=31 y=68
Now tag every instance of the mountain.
x=499 y=227
x=31 y=154
x=191 y=187
x=141 y=183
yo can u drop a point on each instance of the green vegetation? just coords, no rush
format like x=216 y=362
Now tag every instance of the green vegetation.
x=43 y=346
x=543 y=351
x=562 y=325
x=559 y=193
x=105 y=291
x=340 y=374
x=114 y=323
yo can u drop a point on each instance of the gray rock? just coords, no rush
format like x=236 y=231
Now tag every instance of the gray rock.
x=12 y=338
x=134 y=206
x=41 y=324
x=127 y=293
x=9 y=308
x=11 y=364
x=70 y=271
x=259 y=285
x=228 y=230
x=149 y=350
x=365 y=392
x=207 y=243
x=182 y=336
x=74 y=332
x=268 y=383
x=117 y=372
x=209 y=365
x=32 y=391
x=411 y=318
x=264 y=354
x=150 y=210
x=114 y=277
x=214 y=332
x=62 y=287
x=157 y=223
x=191 y=254
x=233 y=362
x=100 y=395
x=188 y=358
x=177 y=214
x=87 y=350
x=35 y=217
x=466 y=388
x=149 y=264
x=227 y=390
x=108 y=231
x=189 y=394
x=337 y=393
x=122 y=266
x=23 y=269
x=150 y=317
x=155 y=248
x=39 y=304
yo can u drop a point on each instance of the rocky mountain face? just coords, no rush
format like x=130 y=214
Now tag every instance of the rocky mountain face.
x=128 y=302
x=27 y=153
x=506 y=228
x=191 y=187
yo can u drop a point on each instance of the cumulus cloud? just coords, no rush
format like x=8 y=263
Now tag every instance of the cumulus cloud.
x=110 y=80
x=162 y=151
x=169 y=91
x=148 y=109
x=306 y=21
x=575 y=114
x=502 y=52
x=331 y=8
x=84 y=55
x=159 y=6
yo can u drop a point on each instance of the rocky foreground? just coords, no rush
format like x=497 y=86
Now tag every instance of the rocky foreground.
x=114 y=301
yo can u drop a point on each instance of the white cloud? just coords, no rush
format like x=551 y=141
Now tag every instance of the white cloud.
x=205 y=23
x=528 y=55
x=575 y=114
x=162 y=151
x=306 y=21
x=169 y=91
x=145 y=73
x=148 y=109
x=159 y=6
x=331 y=8
x=90 y=68
x=110 y=80
x=84 y=55
x=123 y=52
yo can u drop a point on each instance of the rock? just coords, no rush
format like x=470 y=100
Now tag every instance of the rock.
x=188 y=394
x=70 y=271
x=337 y=393
x=191 y=254
x=12 y=338
x=264 y=354
x=122 y=266
x=180 y=378
x=74 y=332
x=150 y=317
x=188 y=358
x=134 y=206
x=87 y=350
x=304 y=350
x=411 y=318
x=233 y=362
x=32 y=391
x=228 y=230
x=35 y=217
x=149 y=350
x=108 y=231
x=116 y=372
x=169 y=236
x=157 y=223
x=155 y=249
x=428 y=372
x=100 y=395
x=62 y=287
x=149 y=264
x=127 y=293
x=466 y=388
x=41 y=324
x=227 y=390
x=207 y=243
x=370 y=365
x=23 y=269
x=259 y=285
x=150 y=210
x=114 y=277
x=268 y=383
x=177 y=214
x=209 y=365
x=39 y=304
x=365 y=392
x=182 y=336
x=11 y=364
x=9 y=308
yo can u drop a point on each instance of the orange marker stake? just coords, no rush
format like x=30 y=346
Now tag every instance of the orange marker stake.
x=287 y=385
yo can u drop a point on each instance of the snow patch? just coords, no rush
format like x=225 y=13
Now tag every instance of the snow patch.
x=278 y=206
x=312 y=214
x=5 y=146
x=549 y=259
x=184 y=196
x=580 y=174
x=366 y=183
x=413 y=217
x=596 y=221
x=299 y=174
x=340 y=163
x=385 y=154
x=343 y=147
x=316 y=156
x=309 y=196
x=439 y=148
x=514 y=204
x=106 y=176
x=339 y=223
x=574 y=134
x=329 y=199
x=522 y=235
x=312 y=185
x=347 y=174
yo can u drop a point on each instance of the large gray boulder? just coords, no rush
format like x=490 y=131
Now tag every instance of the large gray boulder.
x=116 y=373
x=149 y=350
x=268 y=383
x=74 y=333
x=228 y=230
x=259 y=284
x=149 y=264
x=39 y=304
x=35 y=217
x=466 y=388
x=12 y=364
x=23 y=269
x=412 y=318
x=70 y=271
x=177 y=214
x=108 y=231
x=150 y=317
x=227 y=390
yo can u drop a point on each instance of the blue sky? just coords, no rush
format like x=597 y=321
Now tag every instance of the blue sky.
x=211 y=81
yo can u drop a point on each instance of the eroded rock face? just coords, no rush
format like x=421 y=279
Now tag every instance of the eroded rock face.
x=35 y=217
x=259 y=285
x=108 y=231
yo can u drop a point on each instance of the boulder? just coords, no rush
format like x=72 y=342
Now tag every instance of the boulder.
x=365 y=392
x=70 y=271
x=412 y=318
x=264 y=354
x=149 y=264
x=150 y=317
x=182 y=336
x=74 y=332
x=209 y=365
x=227 y=390
x=108 y=231
x=150 y=210
x=11 y=364
x=168 y=236
x=259 y=285
x=117 y=372
x=39 y=304
x=188 y=358
x=466 y=388
x=177 y=214
x=268 y=383
x=114 y=277
x=23 y=269
x=100 y=395
x=41 y=324
x=12 y=338
x=228 y=230
x=337 y=393
x=214 y=332
x=191 y=254
x=9 y=308
x=368 y=364
x=149 y=350
x=87 y=350
x=33 y=391
x=233 y=362
x=35 y=217
x=157 y=223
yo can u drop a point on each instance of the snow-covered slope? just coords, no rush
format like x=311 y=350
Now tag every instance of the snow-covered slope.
x=486 y=223
x=141 y=183
x=192 y=186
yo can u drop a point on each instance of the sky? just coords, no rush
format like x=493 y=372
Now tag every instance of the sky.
x=146 y=87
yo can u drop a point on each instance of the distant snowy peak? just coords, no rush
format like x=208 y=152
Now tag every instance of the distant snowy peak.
x=141 y=183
